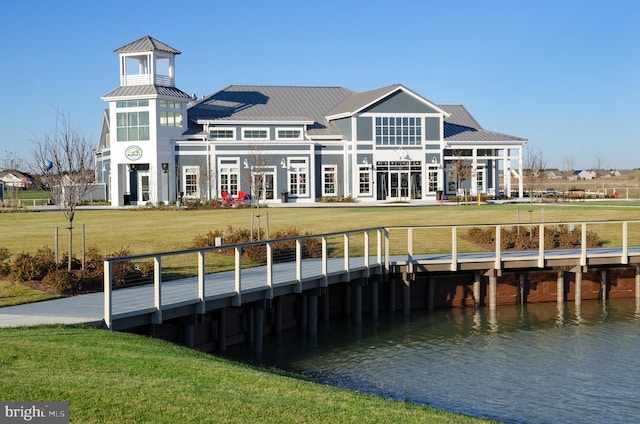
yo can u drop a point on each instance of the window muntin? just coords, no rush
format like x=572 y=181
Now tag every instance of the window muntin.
x=288 y=134
x=170 y=104
x=298 y=177
x=132 y=103
x=222 y=134
x=329 y=178
x=132 y=126
x=255 y=133
x=229 y=176
x=432 y=179
x=171 y=119
x=398 y=130
x=191 y=182
x=364 y=177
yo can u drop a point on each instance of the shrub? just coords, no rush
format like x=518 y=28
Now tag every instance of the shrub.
x=26 y=267
x=5 y=265
x=60 y=281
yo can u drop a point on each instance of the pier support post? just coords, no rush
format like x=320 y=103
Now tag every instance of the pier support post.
x=325 y=304
x=347 y=300
x=477 y=278
x=493 y=291
x=357 y=302
x=578 y=296
x=312 y=322
x=222 y=330
x=374 y=297
x=431 y=293
x=406 y=297
x=604 y=285
x=277 y=314
x=392 y=294
x=303 y=314
x=637 y=282
x=522 y=292
x=560 y=292
x=258 y=328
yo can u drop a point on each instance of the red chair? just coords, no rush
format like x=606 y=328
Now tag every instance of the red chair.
x=225 y=196
x=241 y=196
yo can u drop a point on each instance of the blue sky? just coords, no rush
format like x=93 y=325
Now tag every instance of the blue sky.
x=564 y=74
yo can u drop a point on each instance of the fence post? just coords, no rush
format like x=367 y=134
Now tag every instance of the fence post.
x=583 y=245
x=387 y=264
x=541 y=246
x=298 y=288
x=325 y=255
x=269 y=294
x=346 y=277
x=157 y=290
x=107 y=295
x=410 y=250
x=498 y=264
x=625 y=244
x=366 y=254
x=237 y=300
x=201 y=271
x=454 y=248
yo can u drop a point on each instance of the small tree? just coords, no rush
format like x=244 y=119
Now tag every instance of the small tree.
x=534 y=172
x=62 y=159
x=460 y=169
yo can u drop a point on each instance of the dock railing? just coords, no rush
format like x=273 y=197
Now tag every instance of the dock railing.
x=360 y=249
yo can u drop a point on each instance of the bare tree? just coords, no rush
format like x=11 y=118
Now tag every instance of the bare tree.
x=599 y=164
x=256 y=169
x=62 y=159
x=568 y=167
x=534 y=170
x=460 y=169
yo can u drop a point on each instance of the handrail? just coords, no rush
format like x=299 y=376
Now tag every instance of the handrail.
x=382 y=258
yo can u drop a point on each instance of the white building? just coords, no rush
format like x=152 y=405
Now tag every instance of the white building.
x=390 y=143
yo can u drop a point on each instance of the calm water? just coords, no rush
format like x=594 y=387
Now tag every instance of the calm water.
x=541 y=363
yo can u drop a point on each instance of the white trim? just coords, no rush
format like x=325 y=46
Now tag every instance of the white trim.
x=329 y=169
x=249 y=122
x=232 y=129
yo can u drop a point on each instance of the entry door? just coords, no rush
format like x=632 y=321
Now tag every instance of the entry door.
x=264 y=185
x=143 y=188
x=399 y=185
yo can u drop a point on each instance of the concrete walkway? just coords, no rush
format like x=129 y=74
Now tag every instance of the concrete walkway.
x=84 y=309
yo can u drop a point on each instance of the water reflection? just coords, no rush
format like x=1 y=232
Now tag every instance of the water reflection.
x=531 y=363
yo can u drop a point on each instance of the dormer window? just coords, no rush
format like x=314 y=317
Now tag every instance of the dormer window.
x=398 y=131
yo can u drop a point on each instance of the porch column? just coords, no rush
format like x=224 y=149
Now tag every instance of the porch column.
x=506 y=172
x=520 y=180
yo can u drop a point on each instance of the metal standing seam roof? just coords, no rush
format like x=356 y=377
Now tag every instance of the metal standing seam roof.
x=146 y=90
x=273 y=103
x=294 y=103
x=145 y=44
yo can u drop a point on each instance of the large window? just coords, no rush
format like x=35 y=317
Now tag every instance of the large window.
x=432 y=179
x=364 y=176
x=298 y=174
x=191 y=182
x=229 y=176
x=133 y=126
x=329 y=178
x=398 y=131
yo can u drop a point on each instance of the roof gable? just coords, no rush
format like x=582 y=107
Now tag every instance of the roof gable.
x=361 y=102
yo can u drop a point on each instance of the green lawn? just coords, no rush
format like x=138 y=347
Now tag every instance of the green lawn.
x=110 y=377
x=16 y=294
x=146 y=231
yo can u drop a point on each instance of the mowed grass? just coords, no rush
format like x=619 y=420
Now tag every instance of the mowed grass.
x=110 y=377
x=148 y=231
